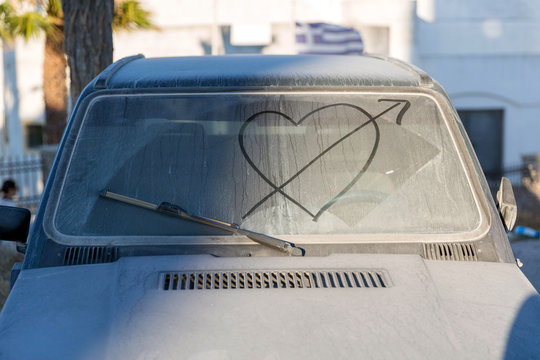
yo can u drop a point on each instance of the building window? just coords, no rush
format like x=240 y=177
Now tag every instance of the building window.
x=34 y=135
x=485 y=130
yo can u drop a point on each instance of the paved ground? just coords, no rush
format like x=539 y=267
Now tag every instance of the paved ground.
x=8 y=256
x=528 y=251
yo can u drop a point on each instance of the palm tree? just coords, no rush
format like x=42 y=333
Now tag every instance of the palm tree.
x=128 y=14
x=54 y=72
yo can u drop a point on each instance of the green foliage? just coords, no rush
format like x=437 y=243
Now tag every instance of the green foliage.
x=30 y=24
x=7 y=21
x=26 y=24
x=130 y=15
x=53 y=8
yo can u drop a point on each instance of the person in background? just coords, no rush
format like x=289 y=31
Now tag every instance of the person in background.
x=9 y=190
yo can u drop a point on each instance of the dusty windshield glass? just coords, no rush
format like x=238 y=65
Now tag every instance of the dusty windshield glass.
x=281 y=164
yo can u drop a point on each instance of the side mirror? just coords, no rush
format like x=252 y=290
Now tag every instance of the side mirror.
x=507 y=203
x=14 y=223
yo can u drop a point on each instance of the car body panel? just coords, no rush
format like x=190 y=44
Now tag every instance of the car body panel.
x=427 y=309
x=67 y=304
x=259 y=71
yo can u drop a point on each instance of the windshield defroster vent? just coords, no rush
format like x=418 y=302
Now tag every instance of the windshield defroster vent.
x=448 y=251
x=81 y=255
x=277 y=279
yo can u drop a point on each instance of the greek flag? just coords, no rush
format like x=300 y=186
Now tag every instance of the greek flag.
x=327 y=39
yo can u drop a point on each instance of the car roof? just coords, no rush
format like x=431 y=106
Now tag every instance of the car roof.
x=268 y=71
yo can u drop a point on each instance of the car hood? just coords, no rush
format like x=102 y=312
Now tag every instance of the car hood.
x=129 y=310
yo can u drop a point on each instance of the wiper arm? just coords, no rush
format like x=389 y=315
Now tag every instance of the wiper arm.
x=177 y=211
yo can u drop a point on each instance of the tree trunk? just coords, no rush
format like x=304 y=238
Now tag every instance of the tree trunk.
x=88 y=39
x=54 y=88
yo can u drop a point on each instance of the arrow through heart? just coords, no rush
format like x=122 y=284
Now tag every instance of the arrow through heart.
x=371 y=120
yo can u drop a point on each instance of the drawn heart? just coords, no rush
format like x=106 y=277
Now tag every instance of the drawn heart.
x=260 y=137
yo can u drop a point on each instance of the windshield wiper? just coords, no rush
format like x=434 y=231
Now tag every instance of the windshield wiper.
x=176 y=211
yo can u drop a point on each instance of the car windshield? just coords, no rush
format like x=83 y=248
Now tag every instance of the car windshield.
x=274 y=163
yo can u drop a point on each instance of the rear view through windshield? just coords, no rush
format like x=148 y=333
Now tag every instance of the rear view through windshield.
x=282 y=164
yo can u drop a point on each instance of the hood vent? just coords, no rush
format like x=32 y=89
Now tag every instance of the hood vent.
x=81 y=255
x=277 y=279
x=449 y=251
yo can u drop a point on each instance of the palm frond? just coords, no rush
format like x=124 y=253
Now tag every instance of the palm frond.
x=8 y=21
x=6 y=8
x=54 y=9
x=130 y=15
x=30 y=24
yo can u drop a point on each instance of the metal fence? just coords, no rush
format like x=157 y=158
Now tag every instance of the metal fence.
x=26 y=171
x=515 y=174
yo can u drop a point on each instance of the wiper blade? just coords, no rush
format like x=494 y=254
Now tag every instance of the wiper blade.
x=176 y=211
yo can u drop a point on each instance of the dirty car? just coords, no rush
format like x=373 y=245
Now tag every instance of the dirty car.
x=268 y=207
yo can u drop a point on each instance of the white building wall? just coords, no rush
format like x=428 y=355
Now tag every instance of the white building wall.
x=184 y=26
x=397 y=16
x=30 y=79
x=486 y=53
x=30 y=106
